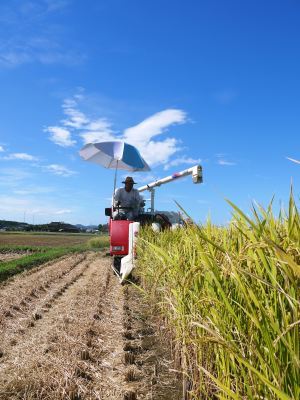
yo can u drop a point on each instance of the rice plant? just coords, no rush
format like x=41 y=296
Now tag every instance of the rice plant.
x=231 y=298
x=98 y=242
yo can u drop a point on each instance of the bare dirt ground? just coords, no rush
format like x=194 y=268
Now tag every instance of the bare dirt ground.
x=69 y=330
x=13 y=256
x=40 y=239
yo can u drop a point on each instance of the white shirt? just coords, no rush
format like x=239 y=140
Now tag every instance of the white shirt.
x=129 y=199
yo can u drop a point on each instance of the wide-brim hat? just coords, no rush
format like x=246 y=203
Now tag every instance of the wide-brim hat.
x=129 y=179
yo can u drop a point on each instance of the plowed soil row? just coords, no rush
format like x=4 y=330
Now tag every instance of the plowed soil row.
x=69 y=330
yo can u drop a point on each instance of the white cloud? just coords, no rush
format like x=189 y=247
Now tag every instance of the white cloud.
x=8 y=203
x=1 y=149
x=30 y=209
x=101 y=124
x=60 y=212
x=293 y=160
x=97 y=131
x=20 y=156
x=94 y=137
x=143 y=135
x=225 y=162
x=159 y=152
x=11 y=58
x=222 y=160
x=76 y=119
x=29 y=37
x=41 y=8
x=154 y=125
x=60 y=136
x=18 y=51
x=182 y=160
x=60 y=170
x=12 y=176
x=90 y=130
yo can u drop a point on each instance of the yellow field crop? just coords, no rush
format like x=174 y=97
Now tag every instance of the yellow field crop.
x=231 y=298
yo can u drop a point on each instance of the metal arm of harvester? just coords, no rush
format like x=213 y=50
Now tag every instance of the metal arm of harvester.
x=195 y=171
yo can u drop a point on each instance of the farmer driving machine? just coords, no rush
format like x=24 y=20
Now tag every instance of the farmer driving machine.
x=123 y=232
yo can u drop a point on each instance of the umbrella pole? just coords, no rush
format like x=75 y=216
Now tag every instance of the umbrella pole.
x=115 y=180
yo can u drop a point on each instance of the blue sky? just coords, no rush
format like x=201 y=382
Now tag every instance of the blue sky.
x=211 y=82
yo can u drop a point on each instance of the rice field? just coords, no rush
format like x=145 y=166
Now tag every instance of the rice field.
x=43 y=239
x=230 y=296
x=70 y=331
x=23 y=251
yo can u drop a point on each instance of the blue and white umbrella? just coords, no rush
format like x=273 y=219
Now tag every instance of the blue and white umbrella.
x=116 y=154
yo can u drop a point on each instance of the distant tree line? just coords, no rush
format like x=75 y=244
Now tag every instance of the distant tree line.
x=51 y=227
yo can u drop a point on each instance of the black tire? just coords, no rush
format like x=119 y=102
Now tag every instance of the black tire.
x=117 y=264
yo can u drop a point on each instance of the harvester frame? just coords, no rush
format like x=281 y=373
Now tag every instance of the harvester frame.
x=123 y=233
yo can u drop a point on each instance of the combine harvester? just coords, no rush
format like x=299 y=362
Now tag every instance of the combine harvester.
x=123 y=233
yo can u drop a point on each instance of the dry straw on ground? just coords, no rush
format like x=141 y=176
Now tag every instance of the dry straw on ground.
x=64 y=327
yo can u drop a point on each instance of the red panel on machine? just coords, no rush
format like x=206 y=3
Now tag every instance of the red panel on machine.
x=119 y=237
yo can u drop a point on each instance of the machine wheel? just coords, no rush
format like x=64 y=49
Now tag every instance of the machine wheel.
x=117 y=264
x=163 y=220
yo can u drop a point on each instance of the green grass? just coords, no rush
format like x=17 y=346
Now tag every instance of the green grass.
x=231 y=299
x=43 y=254
x=10 y=268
